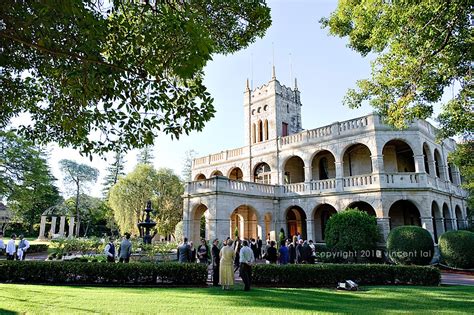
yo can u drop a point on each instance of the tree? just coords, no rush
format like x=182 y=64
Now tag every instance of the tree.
x=145 y=156
x=115 y=170
x=94 y=213
x=77 y=177
x=188 y=165
x=169 y=203
x=352 y=231
x=121 y=70
x=421 y=48
x=129 y=196
x=462 y=157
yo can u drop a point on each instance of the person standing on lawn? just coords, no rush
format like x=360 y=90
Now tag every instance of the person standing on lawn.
x=2 y=244
x=22 y=248
x=125 y=249
x=110 y=250
x=202 y=252
x=246 y=260
x=11 y=248
x=215 y=262
x=226 y=270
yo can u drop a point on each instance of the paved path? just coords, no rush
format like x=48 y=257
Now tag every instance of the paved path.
x=456 y=279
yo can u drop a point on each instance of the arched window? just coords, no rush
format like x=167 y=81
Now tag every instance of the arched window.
x=262 y=174
x=260 y=131
x=254 y=133
x=287 y=108
x=266 y=129
x=323 y=168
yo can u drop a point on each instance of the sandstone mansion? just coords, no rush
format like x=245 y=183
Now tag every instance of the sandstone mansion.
x=295 y=179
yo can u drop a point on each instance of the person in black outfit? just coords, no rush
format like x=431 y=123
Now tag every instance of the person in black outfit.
x=259 y=248
x=253 y=247
x=202 y=252
x=215 y=262
x=292 y=250
x=299 y=252
x=192 y=259
x=237 y=247
x=271 y=254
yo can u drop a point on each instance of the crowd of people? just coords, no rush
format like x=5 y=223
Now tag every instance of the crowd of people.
x=240 y=255
x=13 y=251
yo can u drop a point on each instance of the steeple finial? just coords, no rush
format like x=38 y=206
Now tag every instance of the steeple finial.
x=273 y=62
x=273 y=72
x=296 y=84
x=247 y=85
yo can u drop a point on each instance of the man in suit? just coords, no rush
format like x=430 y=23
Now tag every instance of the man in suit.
x=215 y=262
x=259 y=248
x=184 y=252
x=125 y=249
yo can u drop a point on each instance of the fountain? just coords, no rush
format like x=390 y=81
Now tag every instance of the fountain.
x=147 y=224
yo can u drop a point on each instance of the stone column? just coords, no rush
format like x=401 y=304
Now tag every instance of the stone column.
x=53 y=226
x=419 y=163
x=71 y=227
x=308 y=173
x=339 y=176
x=222 y=228
x=62 y=224
x=384 y=226
x=427 y=224
x=42 y=228
x=377 y=164
x=310 y=230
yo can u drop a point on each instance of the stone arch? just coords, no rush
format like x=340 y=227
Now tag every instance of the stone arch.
x=244 y=219
x=404 y=212
x=216 y=173
x=236 y=173
x=294 y=170
x=295 y=221
x=200 y=176
x=459 y=217
x=321 y=215
x=448 y=220
x=323 y=165
x=438 y=165
x=357 y=160
x=199 y=230
x=398 y=157
x=438 y=224
x=363 y=206
x=427 y=157
x=262 y=173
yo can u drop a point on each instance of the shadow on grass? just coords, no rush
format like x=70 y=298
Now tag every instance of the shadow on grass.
x=7 y=312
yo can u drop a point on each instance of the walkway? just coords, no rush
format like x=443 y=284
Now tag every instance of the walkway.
x=450 y=278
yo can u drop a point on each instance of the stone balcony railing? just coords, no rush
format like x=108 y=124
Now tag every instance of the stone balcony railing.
x=326 y=186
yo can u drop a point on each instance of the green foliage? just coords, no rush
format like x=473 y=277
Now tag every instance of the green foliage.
x=421 y=48
x=281 y=236
x=145 y=156
x=462 y=158
x=410 y=245
x=25 y=180
x=136 y=70
x=103 y=273
x=457 y=249
x=38 y=248
x=352 y=231
x=115 y=170
x=95 y=214
x=129 y=196
x=323 y=275
x=236 y=232
x=179 y=231
x=81 y=246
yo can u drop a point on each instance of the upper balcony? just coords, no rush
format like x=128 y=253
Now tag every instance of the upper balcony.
x=327 y=186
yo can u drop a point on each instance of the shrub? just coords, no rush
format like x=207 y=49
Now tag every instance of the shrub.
x=410 y=245
x=352 y=231
x=102 y=273
x=457 y=249
x=323 y=275
x=38 y=248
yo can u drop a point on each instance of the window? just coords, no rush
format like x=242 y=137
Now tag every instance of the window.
x=259 y=110
x=287 y=108
x=266 y=129
x=253 y=111
x=265 y=107
x=260 y=131
x=262 y=174
x=253 y=133
x=284 y=129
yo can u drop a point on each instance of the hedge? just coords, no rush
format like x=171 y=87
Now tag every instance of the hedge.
x=327 y=275
x=62 y=272
x=38 y=248
x=410 y=245
x=457 y=249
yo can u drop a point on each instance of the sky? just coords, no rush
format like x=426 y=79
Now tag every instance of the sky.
x=324 y=66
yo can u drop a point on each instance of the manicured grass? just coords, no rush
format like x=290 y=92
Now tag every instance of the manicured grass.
x=37 y=299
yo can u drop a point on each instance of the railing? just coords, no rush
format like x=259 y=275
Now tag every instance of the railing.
x=235 y=152
x=295 y=188
x=353 y=124
x=323 y=184
x=359 y=180
x=200 y=161
x=297 y=137
x=403 y=178
x=319 y=132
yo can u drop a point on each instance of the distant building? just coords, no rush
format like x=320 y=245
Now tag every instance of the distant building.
x=295 y=179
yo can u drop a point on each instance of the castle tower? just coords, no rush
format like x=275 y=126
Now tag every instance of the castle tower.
x=270 y=111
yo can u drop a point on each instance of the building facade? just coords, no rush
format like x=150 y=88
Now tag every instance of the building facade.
x=294 y=179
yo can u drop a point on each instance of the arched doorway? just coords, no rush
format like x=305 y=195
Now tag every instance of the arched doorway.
x=398 y=157
x=269 y=232
x=263 y=174
x=244 y=222
x=450 y=173
x=427 y=158
x=448 y=220
x=404 y=212
x=323 y=166
x=236 y=174
x=356 y=160
x=296 y=222
x=294 y=170
x=363 y=206
x=200 y=225
x=438 y=225
x=200 y=177
x=459 y=218
x=216 y=173
x=322 y=213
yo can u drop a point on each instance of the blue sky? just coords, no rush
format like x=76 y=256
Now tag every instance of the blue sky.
x=324 y=66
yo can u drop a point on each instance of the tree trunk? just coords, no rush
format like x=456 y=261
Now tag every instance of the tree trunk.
x=78 y=216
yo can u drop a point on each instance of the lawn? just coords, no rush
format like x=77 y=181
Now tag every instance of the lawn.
x=37 y=299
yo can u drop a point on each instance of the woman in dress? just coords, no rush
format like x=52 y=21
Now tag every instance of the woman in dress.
x=226 y=269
